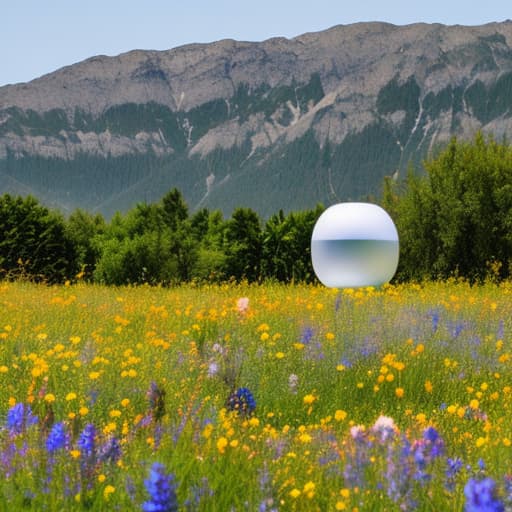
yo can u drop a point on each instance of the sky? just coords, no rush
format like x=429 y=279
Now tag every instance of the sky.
x=41 y=36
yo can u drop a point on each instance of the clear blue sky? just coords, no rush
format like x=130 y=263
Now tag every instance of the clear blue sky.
x=40 y=36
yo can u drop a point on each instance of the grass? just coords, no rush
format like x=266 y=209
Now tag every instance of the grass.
x=390 y=399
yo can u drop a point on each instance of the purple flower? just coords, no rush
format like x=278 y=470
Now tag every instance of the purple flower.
x=307 y=335
x=454 y=466
x=110 y=451
x=57 y=438
x=20 y=417
x=161 y=489
x=86 y=441
x=242 y=400
x=481 y=496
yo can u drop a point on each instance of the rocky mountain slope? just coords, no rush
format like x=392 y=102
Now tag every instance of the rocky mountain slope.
x=322 y=117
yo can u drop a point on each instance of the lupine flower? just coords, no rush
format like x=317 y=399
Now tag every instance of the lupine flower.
x=307 y=335
x=86 y=440
x=242 y=401
x=481 y=496
x=57 y=438
x=110 y=451
x=20 y=417
x=384 y=428
x=161 y=489
x=454 y=466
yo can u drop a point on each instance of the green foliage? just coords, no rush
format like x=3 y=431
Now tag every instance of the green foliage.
x=243 y=245
x=457 y=219
x=34 y=242
x=287 y=246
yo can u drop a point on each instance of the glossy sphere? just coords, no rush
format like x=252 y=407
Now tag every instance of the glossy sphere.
x=354 y=244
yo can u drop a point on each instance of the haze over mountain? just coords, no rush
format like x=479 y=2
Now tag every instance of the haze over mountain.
x=280 y=124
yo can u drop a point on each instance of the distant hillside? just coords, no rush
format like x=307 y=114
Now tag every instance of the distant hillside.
x=280 y=124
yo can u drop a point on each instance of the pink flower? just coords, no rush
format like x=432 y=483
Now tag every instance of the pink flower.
x=242 y=305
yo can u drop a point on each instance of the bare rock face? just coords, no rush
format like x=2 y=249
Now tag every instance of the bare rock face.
x=342 y=107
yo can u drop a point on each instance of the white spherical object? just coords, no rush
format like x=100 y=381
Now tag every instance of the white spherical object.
x=354 y=244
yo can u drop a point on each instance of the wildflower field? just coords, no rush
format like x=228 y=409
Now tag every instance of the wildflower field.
x=256 y=397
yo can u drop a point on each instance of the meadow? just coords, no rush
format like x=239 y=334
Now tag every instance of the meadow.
x=256 y=397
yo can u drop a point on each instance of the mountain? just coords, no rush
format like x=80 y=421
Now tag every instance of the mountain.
x=278 y=124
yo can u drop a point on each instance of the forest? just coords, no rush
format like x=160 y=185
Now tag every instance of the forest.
x=453 y=216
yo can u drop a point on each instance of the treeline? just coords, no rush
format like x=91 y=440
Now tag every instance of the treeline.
x=159 y=243
x=454 y=219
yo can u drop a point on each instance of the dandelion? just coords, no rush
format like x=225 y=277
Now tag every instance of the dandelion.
x=309 y=399
x=161 y=489
x=109 y=489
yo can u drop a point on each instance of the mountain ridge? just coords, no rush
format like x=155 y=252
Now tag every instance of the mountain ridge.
x=340 y=108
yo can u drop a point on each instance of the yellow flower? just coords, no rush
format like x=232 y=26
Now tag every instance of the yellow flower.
x=83 y=410
x=114 y=413
x=207 y=430
x=254 y=422
x=125 y=402
x=74 y=453
x=345 y=493
x=295 y=493
x=109 y=489
x=279 y=355
x=474 y=404
x=399 y=392
x=49 y=397
x=329 y=336
x=428 y=386
x=70 y=396
x=101 y=478
x=340 y=415
x=480 y=442
x=94 y=375
x=222 y=442
x=309 y=399
x=309 y=489
x=305 y=438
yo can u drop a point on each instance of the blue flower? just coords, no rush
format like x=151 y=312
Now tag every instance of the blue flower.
x=241 y=400
x=110 y=451
x=19 y=417
x=86 y=440
x=481 y=496
x=57 y=438
x=307 y=335
x=161 y=489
